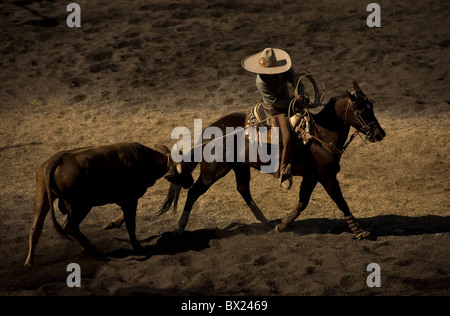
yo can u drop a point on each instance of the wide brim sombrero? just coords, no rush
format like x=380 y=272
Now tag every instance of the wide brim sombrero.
x=270 y=61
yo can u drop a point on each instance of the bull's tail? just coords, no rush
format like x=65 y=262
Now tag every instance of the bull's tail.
x=49 y=174
x=172 y=199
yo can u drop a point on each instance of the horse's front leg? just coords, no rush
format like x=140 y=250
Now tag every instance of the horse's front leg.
x=306 y=189
x=333 y=189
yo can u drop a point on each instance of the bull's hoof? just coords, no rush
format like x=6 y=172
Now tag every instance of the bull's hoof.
x=178 y=232
x=90 y=250
x=138 y=249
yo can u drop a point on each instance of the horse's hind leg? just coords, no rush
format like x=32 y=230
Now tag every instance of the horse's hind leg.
x=333 y=189
x=210 y=173
x=198 y=189
x=242 y=173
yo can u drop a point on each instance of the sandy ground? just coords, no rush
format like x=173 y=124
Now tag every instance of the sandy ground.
x=137 y=69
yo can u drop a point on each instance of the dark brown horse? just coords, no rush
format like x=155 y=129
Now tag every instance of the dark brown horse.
x=318 y=161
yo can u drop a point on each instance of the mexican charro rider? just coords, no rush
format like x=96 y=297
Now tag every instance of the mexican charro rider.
x=274 y=70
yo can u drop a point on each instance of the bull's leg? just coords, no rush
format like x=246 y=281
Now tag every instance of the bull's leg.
x=115 y=223
x=40 y=211
x=72 y=226
x=333 y=189
x=129 y=212
x=242 y=173
x=306 y=189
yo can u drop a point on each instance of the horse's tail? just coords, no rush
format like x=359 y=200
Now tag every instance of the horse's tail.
x=174 y=191
x=171 y=199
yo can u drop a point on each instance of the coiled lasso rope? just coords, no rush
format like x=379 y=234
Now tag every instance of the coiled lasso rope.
x=318 y=98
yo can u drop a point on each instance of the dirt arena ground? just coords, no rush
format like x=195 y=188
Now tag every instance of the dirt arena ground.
x=135 y=70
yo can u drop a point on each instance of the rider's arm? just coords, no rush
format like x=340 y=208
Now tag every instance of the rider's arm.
x=293 y=77
x=269 y=97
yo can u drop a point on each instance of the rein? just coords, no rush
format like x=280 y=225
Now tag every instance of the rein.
x=331 y=147
x=237 y=131
x=365 y=127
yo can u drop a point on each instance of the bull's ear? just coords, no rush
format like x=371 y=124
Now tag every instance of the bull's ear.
x=171 y=168
x=162 y=149
x=356 y=86
x=169 y=176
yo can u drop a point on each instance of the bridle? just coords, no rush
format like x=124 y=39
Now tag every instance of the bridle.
x=365 y=127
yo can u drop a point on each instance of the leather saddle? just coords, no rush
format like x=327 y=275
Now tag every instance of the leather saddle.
x=262 y=115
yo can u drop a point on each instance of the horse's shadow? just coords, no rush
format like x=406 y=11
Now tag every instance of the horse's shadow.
x=170 y=243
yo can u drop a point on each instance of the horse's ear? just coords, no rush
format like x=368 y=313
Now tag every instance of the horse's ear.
x=356 y=87
x=351 y=96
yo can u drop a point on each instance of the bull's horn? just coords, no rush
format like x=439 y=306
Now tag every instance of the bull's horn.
x=179 y=168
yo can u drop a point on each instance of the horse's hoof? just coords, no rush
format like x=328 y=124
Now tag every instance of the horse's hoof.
x=363 y=234
x=110 y=225
x=278 y=229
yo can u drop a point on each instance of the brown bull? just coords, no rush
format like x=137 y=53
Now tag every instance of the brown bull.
x=92 y=176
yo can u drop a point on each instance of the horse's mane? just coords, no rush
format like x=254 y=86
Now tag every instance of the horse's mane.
x=325 y=114
x=331 y=103
x=322 y=109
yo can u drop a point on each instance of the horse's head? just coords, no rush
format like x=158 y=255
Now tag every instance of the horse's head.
x=359 y=113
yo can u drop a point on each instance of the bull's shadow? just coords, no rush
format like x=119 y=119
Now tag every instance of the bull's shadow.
x=384 y=225
x=169 y=243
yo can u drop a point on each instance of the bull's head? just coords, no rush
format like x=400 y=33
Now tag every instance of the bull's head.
x=178 y=173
